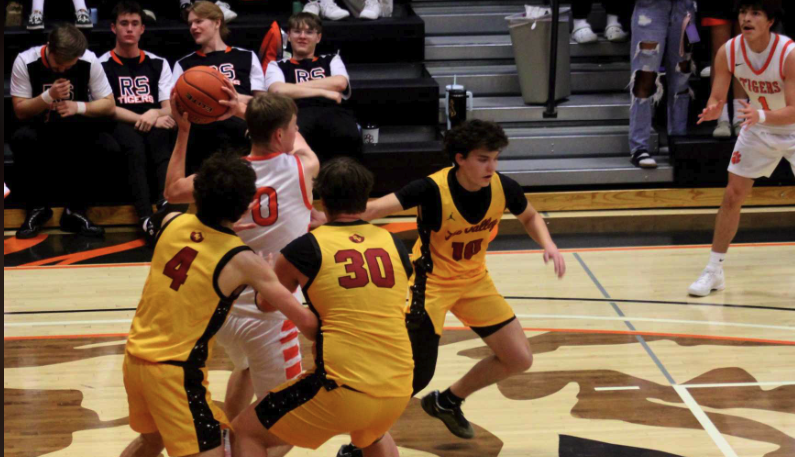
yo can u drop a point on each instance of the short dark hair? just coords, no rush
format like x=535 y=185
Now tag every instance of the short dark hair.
x=772 y=8
x=126 y=7
x=266 y=113
x=344 y=185
x=473 y=135
x=310 y=20
x=67 y=42
x=224 y=188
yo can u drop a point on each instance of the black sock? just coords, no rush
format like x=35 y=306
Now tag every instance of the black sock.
x=448 y=399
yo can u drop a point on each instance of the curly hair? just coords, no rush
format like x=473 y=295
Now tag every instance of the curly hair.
x=344 y=185
x=224 y=188
x=772 y=8
x=473 y=135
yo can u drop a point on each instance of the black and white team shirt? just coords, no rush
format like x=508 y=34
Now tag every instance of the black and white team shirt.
x=140 y=83
x=293 y=71
x=241 y=66
x=32 y=75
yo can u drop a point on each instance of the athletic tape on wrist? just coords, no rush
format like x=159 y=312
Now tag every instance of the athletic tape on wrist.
x=762 y=116
x=81 y=108
x=47 y=97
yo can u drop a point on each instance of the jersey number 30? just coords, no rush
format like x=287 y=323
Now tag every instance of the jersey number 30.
x=359 y=276
x=177 y=268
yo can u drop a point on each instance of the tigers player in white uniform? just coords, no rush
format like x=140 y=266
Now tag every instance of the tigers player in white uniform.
x=764 y=63
x=263 y=346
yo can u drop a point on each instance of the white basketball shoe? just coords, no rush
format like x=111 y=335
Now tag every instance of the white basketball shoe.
x=326 y=9
x=709 y=281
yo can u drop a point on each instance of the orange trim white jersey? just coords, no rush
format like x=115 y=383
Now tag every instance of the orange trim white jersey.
x=762 y=74
x=281 y=213
x=6 y=190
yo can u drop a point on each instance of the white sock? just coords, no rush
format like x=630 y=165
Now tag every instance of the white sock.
x=581 y=23
x=184 y=2
x=38 y=5
x=737 y=107
x=80 y=5
x=724 y=115
x=716 y=261
x=612 y=19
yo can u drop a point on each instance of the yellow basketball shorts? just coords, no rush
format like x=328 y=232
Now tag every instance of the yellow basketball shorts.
x=309 y=411
x=474 y=301
x=174 y=401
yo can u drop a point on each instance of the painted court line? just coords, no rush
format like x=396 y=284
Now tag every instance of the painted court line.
x=58 y=324
x=738 y=384
x=611 y=389
x=705 y=421
x=649 y=319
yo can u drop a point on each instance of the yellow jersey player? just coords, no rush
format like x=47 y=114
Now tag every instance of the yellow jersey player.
x=354 y=276
x=459 y=207
x=198 y=269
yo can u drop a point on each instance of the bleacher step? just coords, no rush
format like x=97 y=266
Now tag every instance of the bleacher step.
x=482 y=47
x=570 y=142
x=590 y=107
x=504 y=79
x=584 y=171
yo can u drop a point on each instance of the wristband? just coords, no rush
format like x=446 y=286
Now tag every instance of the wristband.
x=81 y=108
x=47 y=97
x=762 y=116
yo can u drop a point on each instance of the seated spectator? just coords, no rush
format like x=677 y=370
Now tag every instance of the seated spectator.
x=657 y=36
x=141 y=83
x=36 y=19
x=721 y=21
x=241 y=66
x=362 y=9
x=51 y=86
x=318 y=84
x=582 y=31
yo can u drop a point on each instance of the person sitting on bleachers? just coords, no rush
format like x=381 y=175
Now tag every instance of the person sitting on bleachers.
x=36 y=18
x=51 y=86
x=241 y=66
x=362 y=9
x=318 y=84
x=141 y=83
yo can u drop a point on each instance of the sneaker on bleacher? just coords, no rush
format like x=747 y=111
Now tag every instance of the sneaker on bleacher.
x=582 y=32
x=229 y=15
x=326 y=9
x=371 y=11
x=36 y=21
x=83 y=19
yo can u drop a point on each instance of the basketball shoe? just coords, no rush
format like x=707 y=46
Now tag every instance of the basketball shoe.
x=326 y=9
x=371 y=11
x=710 y=280
x=453 y=418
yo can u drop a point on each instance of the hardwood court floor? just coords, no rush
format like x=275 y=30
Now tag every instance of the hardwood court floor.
x=626 y=364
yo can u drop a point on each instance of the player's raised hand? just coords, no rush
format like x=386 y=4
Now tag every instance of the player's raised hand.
x=556 y=257
x=66 y=108
x=181 y=120
x=233 y=103
x=711 y=112
x=61 y=89
x=749 y=114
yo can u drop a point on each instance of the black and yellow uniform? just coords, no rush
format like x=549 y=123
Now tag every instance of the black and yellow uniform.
x=172 y=336
x=362 y=381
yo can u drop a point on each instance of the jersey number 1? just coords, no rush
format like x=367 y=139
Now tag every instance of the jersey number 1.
x=763 y=102
x=177 y=268
x=360 y=276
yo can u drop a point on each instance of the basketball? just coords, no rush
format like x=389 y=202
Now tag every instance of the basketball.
x=198 y=92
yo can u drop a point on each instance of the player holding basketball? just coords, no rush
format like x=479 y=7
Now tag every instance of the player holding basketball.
x=764 y=63
x=198 y=269
x=354 y=276
x=459 y=207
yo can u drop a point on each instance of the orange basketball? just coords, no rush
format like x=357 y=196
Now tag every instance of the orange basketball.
x=198 y=92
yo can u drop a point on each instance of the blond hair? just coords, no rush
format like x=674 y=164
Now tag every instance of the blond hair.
x=209 y=10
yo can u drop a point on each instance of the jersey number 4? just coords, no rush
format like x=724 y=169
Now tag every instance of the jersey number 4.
x=273 y=207
x=177 y=268
x=359 y=277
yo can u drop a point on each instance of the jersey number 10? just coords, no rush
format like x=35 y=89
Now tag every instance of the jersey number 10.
x=359 y=275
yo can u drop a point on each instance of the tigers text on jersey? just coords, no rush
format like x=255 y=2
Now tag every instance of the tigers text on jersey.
x=281 y=212
x=139 y=84
x=458 y=249
x=241 y=66
x=293 y=71
x=762 y=74
x=358 y=278
x=182 y=307
x=32 y=75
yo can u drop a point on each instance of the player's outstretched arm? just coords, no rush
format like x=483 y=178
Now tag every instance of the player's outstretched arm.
x=250 y=269
x=179 y=188
x=720 y=88
x=535 y=226
x=783 y=116
x=384 y=206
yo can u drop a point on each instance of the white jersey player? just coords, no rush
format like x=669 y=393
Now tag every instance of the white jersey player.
x=764 y=63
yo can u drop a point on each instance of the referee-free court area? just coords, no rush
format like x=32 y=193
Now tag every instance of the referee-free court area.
x=626 y=364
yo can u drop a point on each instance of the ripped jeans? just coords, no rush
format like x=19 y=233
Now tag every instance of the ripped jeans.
x=657 y=32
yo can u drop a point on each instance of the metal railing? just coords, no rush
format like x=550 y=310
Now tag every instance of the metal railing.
x=552 y=107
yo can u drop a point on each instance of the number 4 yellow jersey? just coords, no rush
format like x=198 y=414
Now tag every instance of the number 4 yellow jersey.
x=458 y=249
x=182 y=308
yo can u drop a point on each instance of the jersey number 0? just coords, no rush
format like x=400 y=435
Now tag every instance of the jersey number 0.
x=273 y=207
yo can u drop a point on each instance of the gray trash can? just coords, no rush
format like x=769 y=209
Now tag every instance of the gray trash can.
x=532 y=40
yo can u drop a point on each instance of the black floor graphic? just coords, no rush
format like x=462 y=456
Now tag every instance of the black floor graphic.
x=571 y=446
